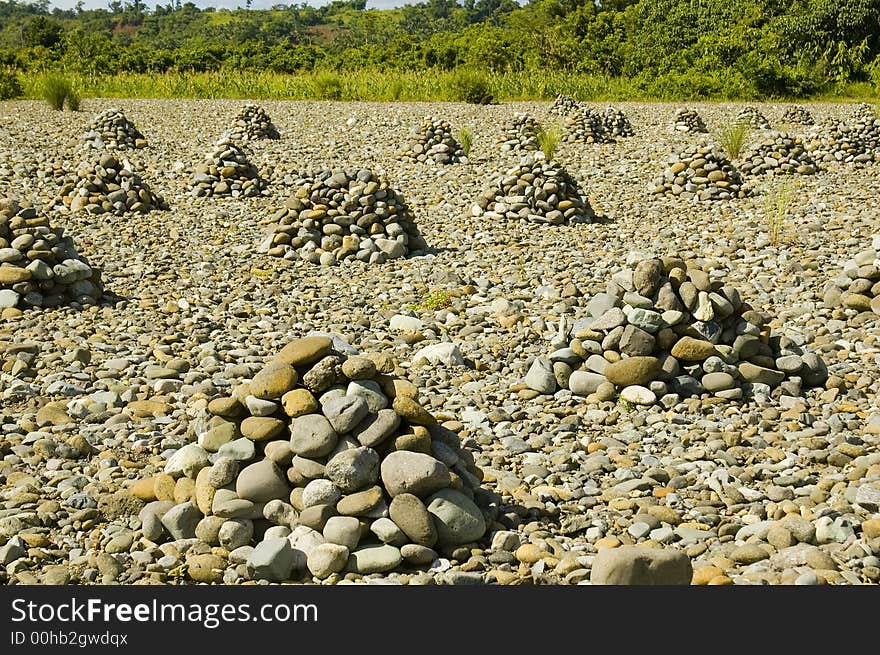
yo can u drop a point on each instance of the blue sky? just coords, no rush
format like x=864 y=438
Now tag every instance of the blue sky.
x=230 y=4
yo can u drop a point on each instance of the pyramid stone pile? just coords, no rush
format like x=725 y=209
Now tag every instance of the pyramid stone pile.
x=252 y=123
x=564 y=105
x=701 y=172
x=322 y=464
x=111 y=129
x=39 y=266
x=688 y=121
x=753 y=116
x=227 y=171
x=616 y=124
x=520 y=134
x=433 y=140
x=586 y=125
x=338 y=215
x=109 y=186
x=858 y=286
x=798 y=115
x=666 y=330
x=536 y=191
x=778 y=153
x=839 y=141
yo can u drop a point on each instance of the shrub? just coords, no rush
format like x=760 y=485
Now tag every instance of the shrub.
x=469 y=86
x=548 y=140
x=57 y=90
x=327 y=85
x=466 y=139
x=733 y=138
x=10 y=87
x=73 y=100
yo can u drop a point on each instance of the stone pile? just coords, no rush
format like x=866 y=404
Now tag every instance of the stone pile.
x=109 y=186
x=433 y=140
x=520 y=134
x=586 y=125
x=752 y=116
x=666 y=330
x=863 y=112
x=798 y=115
x=689 y=121
x=778 y=153
x=858 y=286
x=564 y=105
x=227 y=171
x=111 y=129
x=252 y=123
x=322 y=465
x=536 y=191
x=616 y=124
x=850 y=143
x=701 y=172
x=39 y=266
x=338 y=215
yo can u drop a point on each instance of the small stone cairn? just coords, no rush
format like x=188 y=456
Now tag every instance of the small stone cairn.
x=335 y=455
x=227 y=171
x=858 y=286
x=752 y=116
x=701 y=172
x=520 y=134
x=856 y=141
x=586 y=125
x=798 y=115
x=666 y=330
x=339 y=215
x=688 y=121
x=536 y=191
x=109 y=186
x=778 y=153
x=251 y=124
x=564 y=105
x=39 y=266
x=433 y=140
x=112 y=130
x=616 y=124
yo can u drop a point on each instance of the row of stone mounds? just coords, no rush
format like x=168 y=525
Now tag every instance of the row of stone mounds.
x=520 y=134
x=323 y=464
x=339 y=215
x=701 y=173
x=665 y=330
x=109 y=186
x=753 y=117
x=227 y=170
x=858 y=286
x=433 y=140
x=778 y=153
x=111 y=129
x=688 y=121
x=252 y=123
x=588 y=125
x=537 y=191
x=855 y=140
x=798 y=115
x=39 y=266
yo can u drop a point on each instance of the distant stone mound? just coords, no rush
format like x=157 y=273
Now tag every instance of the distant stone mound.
x=854 y=141
x=110 y=185
x=777 y=153
x=798 y=115
x=520 y=134
x=339 y=215
x=586 y=125
x=688 y=121
x=858 y=286
x=39 y=266
x=564 y=105
x=433 y=141
x=701 y=172
x=252 y=123
x=752 y=116
x=227 y=171
x=616 y=123
x=112 y=130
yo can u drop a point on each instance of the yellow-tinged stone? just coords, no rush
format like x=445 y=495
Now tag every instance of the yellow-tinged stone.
x=148 y=408
x=720 y=580
x=307 y=350
x=412 y=411
x=204 y=492
x=871 y=528
x=504 y=577
x=704 y=574
x=299 y=402
x=695 y=525
x=607 y=542
x=593 y=446
x=184 y=490
x=13 y=275
x=662 y=492
x=35 y=539
x=144 y=489
x=621 y=504
x=53 y=414
x=394 y=387
x=556 y=493
x=530 y=553
x=163 y=487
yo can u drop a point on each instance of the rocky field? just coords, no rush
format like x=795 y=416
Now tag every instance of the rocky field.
x=254 y=360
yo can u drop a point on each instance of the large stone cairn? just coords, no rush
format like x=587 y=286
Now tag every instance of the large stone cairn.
x=338 y=215
x=109 y=186
x=666 y=330
x=701 y=172
x=853 y=142
x=564 y=105
x=227 y=171
x=688 y=121
x=778 y=153
x=586 y=125
x=858 y=286
x=111 y=129
x=252 y=123
x=433 y=140
x=39 y=266
x=616 y=124
x=536 y=191
x=798 y=115
x=752 y=116
x=321 y=465
x=520 y=134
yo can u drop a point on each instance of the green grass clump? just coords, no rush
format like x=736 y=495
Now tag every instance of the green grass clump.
x=58 y=91
x=467 y=85
x=733 y=138
x=466 y=139
x=10 y=87
x=549 y=139
x=437 y=299
x=327 y=85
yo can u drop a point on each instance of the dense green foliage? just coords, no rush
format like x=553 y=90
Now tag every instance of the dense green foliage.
x=654 y=48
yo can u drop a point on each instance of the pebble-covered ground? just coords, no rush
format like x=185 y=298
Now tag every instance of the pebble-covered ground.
x=95 y=399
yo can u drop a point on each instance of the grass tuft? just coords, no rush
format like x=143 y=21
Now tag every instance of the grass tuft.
x=466 y=138
x=549 y=139
x=733 y=138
